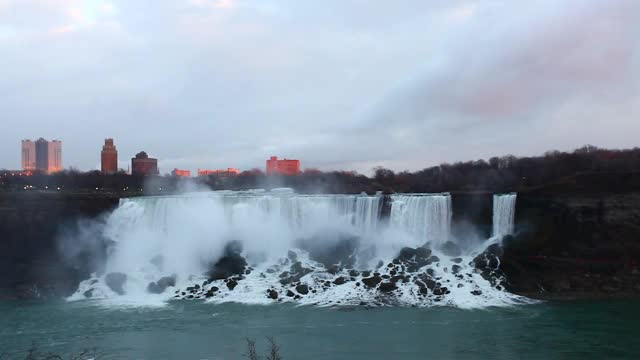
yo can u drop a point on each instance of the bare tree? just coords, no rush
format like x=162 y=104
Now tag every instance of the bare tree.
x=251 y=350
x=274 y=351
x=272 y=354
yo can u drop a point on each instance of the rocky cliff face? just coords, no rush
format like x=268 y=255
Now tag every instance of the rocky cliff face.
x=32 y=263
x=575 y=246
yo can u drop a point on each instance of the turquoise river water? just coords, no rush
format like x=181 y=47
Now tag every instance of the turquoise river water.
x=195 y=330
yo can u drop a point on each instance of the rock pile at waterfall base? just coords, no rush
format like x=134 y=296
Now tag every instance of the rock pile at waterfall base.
x=414 y=277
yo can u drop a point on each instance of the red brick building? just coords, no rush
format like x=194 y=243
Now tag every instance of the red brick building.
x=228 y=172
x=109 y=157
x=283 y=167
x=181 y=173
x=142 y=164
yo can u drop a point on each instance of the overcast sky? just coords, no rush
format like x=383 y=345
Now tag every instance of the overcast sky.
x=338 y=84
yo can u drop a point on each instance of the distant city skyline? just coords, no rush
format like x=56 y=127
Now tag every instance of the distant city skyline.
x=339 y=84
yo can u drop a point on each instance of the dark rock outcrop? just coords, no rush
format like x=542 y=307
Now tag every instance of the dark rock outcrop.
x=302 y=289
x=387 y=287
x=340 y=281
x=45 y=248
x=272 y=294
x=295 y=273
x=412 y=259
x=571 y=245
x=232 y=283
x=211 y=292
x=372 y=282
x=232 y=263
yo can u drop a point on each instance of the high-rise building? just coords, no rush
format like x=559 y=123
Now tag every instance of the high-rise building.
x=55 y=156
x=28 y=155
x=142 y=164
x=109 y=157
x=42 y=155
x=283 y=167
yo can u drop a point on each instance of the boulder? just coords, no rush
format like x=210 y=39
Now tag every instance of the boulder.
x=431 y=272
x=232 y=263
x=339 y=281
x=406 y=253
x=456 y=269
x=425 y=283
x=271 y=293
x=115 y=281
x=232 y=283
x=441 y=291
x=302 y=289
x=387 y=287
x=211 y=292
x=423 y=253
x=295 y=273
x=372 y=281
x=88 y=294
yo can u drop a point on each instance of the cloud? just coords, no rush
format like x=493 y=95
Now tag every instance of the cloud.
x=462 y=13
x=338 y=84
x=84 y=14
x=216 y=4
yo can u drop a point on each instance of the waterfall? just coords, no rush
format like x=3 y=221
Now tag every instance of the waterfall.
x=426 y=217
x=312 y=249
x=504 y=210
x=367 y=213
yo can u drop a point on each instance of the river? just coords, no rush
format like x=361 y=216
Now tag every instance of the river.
x=197 y=330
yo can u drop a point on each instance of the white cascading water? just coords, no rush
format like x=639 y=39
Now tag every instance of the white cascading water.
x=183 y=235
x=504 y=212
x=425 y=217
